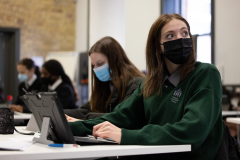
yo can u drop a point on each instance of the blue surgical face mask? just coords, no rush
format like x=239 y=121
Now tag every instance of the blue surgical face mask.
x=102 y=73
x=22 y=77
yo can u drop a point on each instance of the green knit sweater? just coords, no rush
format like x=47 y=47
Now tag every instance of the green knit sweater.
x=187 y=114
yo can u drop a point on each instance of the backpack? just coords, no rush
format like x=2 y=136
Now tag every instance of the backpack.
x=6 y=120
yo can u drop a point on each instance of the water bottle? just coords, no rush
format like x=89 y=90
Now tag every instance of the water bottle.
x=9 y=99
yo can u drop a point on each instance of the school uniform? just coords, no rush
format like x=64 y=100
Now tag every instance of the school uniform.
x=64 y=92
x=186 y=112
x=85 y=111
x=32 y=85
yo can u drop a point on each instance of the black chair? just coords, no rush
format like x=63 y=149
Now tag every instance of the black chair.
x=229 y=148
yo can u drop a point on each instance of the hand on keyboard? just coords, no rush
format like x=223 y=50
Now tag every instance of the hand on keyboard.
x=107 y=130
x=71 y=119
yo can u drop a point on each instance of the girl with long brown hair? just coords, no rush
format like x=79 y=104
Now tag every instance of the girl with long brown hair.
x=114 y=79
x=178 y=103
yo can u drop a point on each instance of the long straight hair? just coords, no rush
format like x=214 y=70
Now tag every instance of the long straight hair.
x=55 y=68
x=154 y=56
x=122 y=70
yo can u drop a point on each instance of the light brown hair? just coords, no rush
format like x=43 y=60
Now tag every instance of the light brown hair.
x=154 y=56
x=122 y=70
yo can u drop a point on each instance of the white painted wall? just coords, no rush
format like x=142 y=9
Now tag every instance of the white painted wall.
x=107 y=18
x=81 y=26
x=227 y=39
x=140 y=15
x=81 y=39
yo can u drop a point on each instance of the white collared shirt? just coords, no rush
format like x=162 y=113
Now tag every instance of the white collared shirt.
x=55 y=84
x=30 y=81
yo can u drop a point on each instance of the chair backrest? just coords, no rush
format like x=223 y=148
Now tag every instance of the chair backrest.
x=229 y=148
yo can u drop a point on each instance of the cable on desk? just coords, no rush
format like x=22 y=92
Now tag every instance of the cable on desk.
x=31 y=133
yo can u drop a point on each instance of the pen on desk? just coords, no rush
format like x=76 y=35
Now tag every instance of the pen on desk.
x=64 y=145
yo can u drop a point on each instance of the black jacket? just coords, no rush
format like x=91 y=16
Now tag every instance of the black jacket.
x=65 y=94
x=35 y=86
x=85 y=111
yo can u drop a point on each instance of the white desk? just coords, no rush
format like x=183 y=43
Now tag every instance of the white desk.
x=233 y=120
x=230 y=113
x=19 y=115
x=41 y=151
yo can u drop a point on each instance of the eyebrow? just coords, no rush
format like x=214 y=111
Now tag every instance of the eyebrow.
x=173 y=31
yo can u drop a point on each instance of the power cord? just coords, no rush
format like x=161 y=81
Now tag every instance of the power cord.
x=31 y=133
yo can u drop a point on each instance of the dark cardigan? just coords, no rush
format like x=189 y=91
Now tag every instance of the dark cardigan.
x=85 y=111
x=65 y=95
x=35 y=86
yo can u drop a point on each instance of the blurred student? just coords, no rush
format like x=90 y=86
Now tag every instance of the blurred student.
x=178 y=103
x=29 y=76
x=55 y=79
x=114 y=79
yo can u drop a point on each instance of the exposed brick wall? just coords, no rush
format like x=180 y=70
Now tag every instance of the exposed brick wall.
x=45 y=25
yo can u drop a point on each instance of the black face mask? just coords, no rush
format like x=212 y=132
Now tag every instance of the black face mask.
x=47 y=81
x=178 y=51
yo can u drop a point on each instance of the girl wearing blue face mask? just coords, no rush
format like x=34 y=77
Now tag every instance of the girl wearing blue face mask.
x=114 y=79
x=29 y=78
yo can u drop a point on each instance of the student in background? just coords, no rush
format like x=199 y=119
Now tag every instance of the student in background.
x=227 y=98
x=114 y=79
x=178 y=103
x=55 y=79
x=29 y=76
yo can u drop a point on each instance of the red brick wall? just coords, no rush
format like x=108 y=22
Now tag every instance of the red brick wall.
x=45 y=25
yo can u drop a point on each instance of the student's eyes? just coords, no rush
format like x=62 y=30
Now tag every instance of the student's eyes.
x=99 y=64
x=169 y=36
x=185 y=33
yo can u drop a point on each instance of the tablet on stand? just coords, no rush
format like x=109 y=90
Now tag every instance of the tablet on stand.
x=48 y=113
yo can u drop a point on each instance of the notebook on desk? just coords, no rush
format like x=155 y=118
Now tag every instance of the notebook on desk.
x=47 y=110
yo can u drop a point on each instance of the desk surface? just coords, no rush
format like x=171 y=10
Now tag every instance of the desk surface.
x=233 y=120
x=19 y=115
x=41 y=151
x=230 y=113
